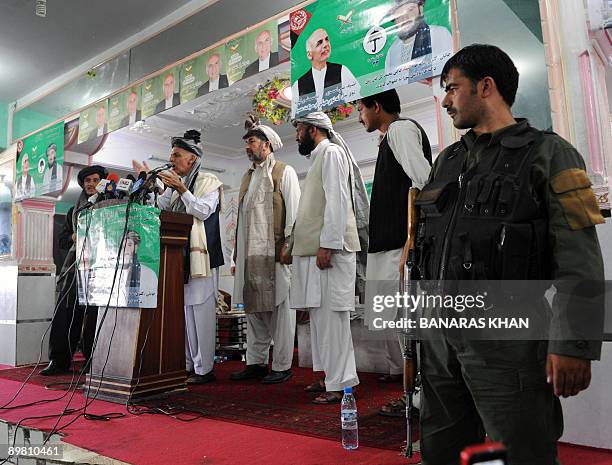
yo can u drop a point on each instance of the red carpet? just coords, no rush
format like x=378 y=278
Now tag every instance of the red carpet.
x=160 y=440
x=283 y=407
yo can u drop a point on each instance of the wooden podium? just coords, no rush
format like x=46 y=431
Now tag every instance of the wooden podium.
x=147 y=353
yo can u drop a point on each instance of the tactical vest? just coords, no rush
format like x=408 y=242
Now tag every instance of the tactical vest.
x=278 y=204
x=389 y=200
x=486 y=222
x=333 y=76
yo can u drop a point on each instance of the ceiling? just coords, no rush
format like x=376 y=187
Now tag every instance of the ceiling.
x=35 y=50
x=220 y=116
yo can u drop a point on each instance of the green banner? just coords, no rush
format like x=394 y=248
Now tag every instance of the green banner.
x=212 y=66
x=93 y=122
x=161 y=92
x=193 y=76
x=100 y=253
x=40 y=163
x=253 y=52
x=341 y=51
x=124 y=108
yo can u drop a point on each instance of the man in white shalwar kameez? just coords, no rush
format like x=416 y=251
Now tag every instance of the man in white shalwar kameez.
x=268 y=201
x=404 y=161
x=198 y=194
x=331 y=219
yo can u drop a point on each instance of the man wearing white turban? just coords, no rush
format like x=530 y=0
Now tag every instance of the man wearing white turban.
x=268 y=201
x=330 y=229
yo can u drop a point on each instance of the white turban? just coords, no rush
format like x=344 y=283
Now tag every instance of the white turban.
x=252 y=124
x=271 y=135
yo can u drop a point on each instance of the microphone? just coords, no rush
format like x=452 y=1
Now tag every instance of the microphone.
x=100 y=189
x=111 y=187
x=124 y=186
x=159 y=169
x=142 y=176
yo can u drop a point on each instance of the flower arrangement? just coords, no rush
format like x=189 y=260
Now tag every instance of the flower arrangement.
x=266 y=104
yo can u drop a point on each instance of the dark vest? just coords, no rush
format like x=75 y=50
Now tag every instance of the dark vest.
x=213 y=239
x=333 y=76
x=486 y=222
x=389 y=201
x=422 y=42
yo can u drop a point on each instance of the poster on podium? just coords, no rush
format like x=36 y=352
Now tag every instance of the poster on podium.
x=118 y=266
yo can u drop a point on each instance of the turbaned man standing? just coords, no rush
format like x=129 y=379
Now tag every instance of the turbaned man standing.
x=268 y=201
x=330 y=228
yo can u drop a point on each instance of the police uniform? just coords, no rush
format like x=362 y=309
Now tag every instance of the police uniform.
x=515 y=204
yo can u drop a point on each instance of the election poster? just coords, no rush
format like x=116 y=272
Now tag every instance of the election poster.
x=342 y=51
x=93 y=121
x=118 y=266
x=124 y=109
x=40 y=163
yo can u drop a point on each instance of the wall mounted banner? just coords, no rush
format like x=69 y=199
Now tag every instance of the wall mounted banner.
x=99 y=249
x=193 y=75
x=161 y=92
x=93 y=122
x=124 y=108
x=257 y=51
x=214 y=74
x=40 y=163
x=341 y=51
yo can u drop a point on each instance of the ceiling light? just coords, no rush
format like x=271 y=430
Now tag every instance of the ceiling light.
x=41 y=8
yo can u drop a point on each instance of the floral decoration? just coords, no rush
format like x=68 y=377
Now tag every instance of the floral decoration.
x=266 y=104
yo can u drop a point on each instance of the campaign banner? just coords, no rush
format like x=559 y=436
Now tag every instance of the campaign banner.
x=343 y=51
x=124 y=109
x=254 y=52
x=193 y=75
x=118 y=267
x=40 y=163
x=93 y=122
x=211 y=69
x=161 y=92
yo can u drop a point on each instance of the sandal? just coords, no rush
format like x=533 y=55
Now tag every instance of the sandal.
x=396 y=408
x=328 y=397
x=315 y=386
x=390 y=379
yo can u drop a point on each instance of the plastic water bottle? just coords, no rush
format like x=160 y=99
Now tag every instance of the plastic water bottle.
x=348 y=417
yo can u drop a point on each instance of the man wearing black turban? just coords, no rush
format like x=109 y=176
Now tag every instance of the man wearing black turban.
x=68 y=324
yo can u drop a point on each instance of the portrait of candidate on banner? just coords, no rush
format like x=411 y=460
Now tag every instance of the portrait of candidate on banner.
x=115 y=263
x=93 y=122
x=39 y=165
x=214 y=64
x=342 y=51
x=419 y=49
x=124 y=108
x=262 y=53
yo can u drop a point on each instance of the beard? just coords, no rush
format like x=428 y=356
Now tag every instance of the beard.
x=307 y=145
x=405 y=33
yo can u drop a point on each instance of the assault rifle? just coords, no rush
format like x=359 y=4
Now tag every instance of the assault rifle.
x=407 y=336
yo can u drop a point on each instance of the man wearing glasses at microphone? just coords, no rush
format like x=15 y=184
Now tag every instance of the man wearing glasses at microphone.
x=198 y=194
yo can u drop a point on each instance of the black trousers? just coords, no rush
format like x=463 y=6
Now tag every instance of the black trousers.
x=71 y=320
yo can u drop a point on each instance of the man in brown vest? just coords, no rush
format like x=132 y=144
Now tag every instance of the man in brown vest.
x=268 y=201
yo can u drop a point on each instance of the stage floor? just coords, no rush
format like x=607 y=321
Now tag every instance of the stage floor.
x=246 y=422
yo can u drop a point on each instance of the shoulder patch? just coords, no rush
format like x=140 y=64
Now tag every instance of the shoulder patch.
x=573 y=189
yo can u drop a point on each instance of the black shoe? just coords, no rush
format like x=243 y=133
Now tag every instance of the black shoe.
x=277 y=377
x=54 y=368
x=250 y=372
x=201 y=379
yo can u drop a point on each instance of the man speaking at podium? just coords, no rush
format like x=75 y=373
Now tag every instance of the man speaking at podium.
x=198 y=194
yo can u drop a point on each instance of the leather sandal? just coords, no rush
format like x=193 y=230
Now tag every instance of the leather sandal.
x=390 y=378
x=328 y=397
x=316 y=386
